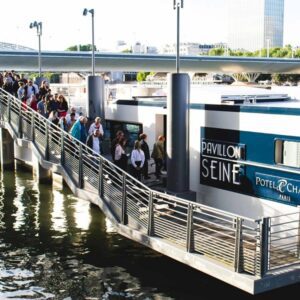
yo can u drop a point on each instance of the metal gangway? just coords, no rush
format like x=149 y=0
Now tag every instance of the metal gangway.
x=240 y=251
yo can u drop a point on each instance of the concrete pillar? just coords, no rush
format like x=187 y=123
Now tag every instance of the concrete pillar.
x=6 y=150
x=57 y=181
x=177 y=133
x=95 y=97
x=41 y=174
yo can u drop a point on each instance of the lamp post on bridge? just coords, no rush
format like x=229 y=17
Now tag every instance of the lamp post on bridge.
x=178 y=123
x=95 y=84
x=177 y=4
x=92 y=12
x=38 y=26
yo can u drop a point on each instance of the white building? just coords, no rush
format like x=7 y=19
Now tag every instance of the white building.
x=255 y=24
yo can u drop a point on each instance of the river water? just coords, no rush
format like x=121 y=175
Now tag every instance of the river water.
x=56 y=246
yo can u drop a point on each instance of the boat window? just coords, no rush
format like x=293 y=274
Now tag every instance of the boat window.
x=131 y=131
x=287 y=153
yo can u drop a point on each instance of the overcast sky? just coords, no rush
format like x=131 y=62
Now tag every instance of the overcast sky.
x=152 y=22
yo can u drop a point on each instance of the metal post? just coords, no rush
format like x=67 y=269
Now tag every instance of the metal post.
x=100 y=178
x=80 y=169
x=20 y=128
x=38 y=26
x=150 y=214
x=264 y=246
x=238 y=245
x=40 y=65
x=189 y=234
x=62 y=150
x=92 y=12
x=32 y=128
x=93 y=43
x=9 y=111
x=177 y=5
x=46 y=156
x=124 y=201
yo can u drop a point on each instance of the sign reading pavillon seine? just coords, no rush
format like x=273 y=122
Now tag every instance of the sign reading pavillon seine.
x=222 y=167
x=218 y=163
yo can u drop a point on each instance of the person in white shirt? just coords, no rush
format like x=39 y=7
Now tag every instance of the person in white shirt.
x=94 y=142
x=120 y=155
x=96 y=125
x=76 y=115
x=137 y=160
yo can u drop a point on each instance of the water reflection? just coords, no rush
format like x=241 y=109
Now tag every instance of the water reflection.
x=56 y=246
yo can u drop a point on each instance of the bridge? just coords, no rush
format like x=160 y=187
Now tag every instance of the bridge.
x=246 y=253
x=81 y=62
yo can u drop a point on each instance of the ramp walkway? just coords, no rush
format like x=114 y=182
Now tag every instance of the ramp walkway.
x=253 y=255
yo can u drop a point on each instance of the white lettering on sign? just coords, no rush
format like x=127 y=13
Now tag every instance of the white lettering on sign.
x=221 y=150
x=220 y=171
x=284 y=186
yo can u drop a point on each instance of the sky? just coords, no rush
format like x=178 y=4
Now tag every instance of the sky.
x=151 y=22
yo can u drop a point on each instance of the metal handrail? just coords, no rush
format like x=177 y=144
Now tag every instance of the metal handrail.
x=196 y=227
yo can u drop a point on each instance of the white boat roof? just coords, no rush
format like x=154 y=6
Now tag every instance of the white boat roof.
x=214 y=94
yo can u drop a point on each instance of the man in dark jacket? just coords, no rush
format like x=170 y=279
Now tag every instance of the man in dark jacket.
x=145 y=148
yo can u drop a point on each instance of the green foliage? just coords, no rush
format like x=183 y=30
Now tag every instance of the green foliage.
x=141 y=76
x=127 y=51
x=87 y=47
x=216 y=52
x=51 y=77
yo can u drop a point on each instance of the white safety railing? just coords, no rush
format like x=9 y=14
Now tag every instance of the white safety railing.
x=241 y=243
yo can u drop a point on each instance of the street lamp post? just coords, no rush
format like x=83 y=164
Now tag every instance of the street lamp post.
x=92 y=12
x=178 y=123
x=177 y=4
x=38 y=26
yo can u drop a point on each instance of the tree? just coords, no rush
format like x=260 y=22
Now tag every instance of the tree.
x=87 y=47
x=141 y=76
x=127 y=51
x=216 y=52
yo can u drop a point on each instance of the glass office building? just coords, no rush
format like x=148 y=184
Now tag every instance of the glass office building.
x=253 y=24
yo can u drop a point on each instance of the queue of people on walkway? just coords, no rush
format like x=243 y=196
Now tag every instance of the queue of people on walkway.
x=56 y=109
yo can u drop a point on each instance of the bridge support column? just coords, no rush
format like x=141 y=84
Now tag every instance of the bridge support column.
x=6 y=150
x=178 y=132
x=41 y=174
x=95 y=97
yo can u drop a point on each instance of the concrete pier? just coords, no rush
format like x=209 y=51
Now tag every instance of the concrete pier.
x=6 y=150
x=41 y=174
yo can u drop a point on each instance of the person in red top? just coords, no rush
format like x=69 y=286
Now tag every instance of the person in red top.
x=62 y=106
x=33 y=102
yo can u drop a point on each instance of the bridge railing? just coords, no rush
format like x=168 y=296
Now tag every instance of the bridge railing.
x=240 y=243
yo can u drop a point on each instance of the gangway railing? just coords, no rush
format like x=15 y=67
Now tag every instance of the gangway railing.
x=241 y=243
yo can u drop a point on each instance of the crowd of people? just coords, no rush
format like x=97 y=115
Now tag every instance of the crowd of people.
x=55 y=108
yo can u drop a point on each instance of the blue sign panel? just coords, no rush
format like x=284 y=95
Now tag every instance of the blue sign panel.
x=239 y=161
x=277 y=188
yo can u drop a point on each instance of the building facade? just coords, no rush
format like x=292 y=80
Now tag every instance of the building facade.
x=255 y=24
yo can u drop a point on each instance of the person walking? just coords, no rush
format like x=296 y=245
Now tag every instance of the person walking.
x=137 y=160
x=145 y=148
x=158 y=154
x=120 y=157
x=78 y=130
